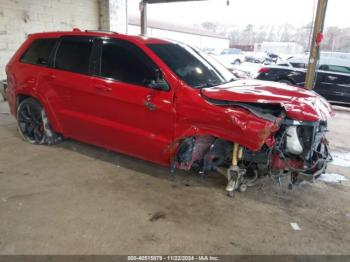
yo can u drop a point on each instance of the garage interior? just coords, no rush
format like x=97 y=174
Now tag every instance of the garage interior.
x=73 y=198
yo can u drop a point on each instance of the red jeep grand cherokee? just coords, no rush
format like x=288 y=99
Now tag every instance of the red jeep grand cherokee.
x=165 y=102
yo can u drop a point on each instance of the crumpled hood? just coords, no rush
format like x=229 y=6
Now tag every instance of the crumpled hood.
x=299 y=104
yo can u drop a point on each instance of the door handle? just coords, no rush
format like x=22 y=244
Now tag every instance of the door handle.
x=332 y=78
x=103 y=88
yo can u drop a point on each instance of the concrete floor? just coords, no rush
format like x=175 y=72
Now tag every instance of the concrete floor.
x=74 y=198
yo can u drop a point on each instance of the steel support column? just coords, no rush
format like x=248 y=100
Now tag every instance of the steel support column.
x=143 y=24
x=317 y=37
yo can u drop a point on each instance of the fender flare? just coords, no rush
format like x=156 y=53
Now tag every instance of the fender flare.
x=56 y=126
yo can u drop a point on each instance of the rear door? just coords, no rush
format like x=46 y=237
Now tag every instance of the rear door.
x=134 y=118
x=333 y=82
x=31 y=65
x=70 y=84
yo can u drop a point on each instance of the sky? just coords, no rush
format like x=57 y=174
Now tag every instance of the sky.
x=243 y=12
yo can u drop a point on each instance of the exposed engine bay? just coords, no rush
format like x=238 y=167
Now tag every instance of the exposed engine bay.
x=299 y=151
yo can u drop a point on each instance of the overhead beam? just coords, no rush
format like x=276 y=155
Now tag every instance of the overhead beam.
x=143 y=10
x=317 y=37
x=167 y=1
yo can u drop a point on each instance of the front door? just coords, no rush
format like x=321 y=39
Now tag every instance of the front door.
x=133 y=118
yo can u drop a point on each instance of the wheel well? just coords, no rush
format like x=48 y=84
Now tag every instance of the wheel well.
x=21 y=97
x=203 y=152
x=54 y=124
x=286 y=79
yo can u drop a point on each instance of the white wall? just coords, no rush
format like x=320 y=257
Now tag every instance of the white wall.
x=279 y=47
x=199 y=41
x=113 y=15
x=18 y=18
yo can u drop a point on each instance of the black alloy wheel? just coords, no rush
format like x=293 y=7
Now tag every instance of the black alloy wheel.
x=30 y=121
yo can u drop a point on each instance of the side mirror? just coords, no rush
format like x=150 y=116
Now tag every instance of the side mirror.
x=159 y=83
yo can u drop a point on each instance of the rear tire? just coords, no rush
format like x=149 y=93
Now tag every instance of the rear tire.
x=286 y=82
x=33 y=124
x=237 y=62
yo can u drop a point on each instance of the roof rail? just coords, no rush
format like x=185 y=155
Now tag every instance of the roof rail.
x=101 y=31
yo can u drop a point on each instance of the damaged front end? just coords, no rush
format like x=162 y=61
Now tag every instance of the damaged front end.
x=297 y=149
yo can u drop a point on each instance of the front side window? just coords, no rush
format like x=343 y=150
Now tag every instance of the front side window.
x=125 y=62
x=73 y=54
x=192 y=66
x=39 y=51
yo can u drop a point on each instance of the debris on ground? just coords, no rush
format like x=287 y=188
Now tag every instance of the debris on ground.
x=158 y=215
x=295 y=226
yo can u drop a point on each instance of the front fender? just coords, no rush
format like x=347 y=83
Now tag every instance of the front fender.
x=235 y=125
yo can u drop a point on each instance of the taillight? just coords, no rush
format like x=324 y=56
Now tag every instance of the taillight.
x=264 y=70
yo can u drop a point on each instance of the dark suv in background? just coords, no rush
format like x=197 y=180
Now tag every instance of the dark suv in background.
x=332 y=77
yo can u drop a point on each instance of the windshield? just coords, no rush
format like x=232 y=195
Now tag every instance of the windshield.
x=194 y=67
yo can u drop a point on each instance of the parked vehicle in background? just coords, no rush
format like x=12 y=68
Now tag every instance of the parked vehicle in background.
x=229 y=55
x=251 y=69
x=237 y=70
x=168 y=103
x=254 y=58
x=233 y=55
x=336 y=55
x=332 y=76
x=262 y=58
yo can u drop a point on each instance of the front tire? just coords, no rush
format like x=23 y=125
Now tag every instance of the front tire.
x=33 y=123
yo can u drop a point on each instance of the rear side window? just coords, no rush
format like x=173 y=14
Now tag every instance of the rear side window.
x=39 y=51
x=335 y=68
x=73 y=54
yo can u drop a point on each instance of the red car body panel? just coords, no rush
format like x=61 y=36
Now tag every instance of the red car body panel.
x=197 y=116
x=113 y=114
x=300 y=104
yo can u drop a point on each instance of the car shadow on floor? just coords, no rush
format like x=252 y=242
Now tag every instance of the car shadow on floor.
x=266 y=190
x=182 y=177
